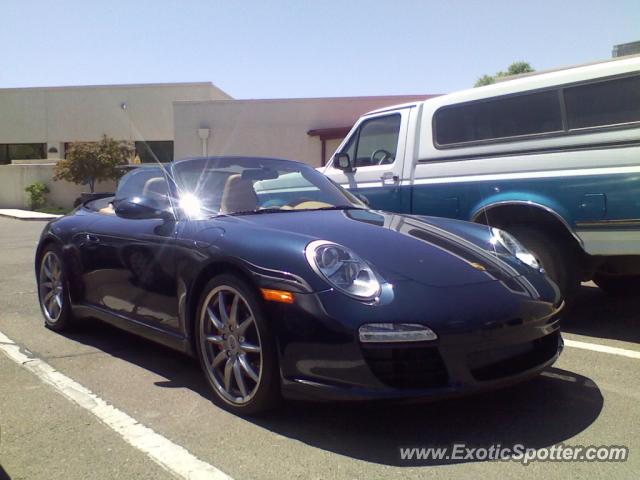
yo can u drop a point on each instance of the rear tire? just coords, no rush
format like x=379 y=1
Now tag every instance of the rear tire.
x=53 y=290
x=621 y=285
x=236 y=347
x=559 y=260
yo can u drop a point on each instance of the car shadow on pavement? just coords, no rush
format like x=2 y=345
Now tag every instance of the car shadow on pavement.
x=179 y=370
x=597 y=314
x=548 y=409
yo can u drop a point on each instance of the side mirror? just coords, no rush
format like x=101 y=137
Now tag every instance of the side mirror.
x=141 y=208
x=362 y=198
x=343 y=162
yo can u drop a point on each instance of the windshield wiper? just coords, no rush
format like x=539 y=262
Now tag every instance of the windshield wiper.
x=335 y=207
x=262 y=210
x=287 y=210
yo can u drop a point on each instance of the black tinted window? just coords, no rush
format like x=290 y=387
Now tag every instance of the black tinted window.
x=499 y=118
x=21 y=151
x=603 y=103
x=152 y=152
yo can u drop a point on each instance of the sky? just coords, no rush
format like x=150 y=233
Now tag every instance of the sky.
x=288 y=49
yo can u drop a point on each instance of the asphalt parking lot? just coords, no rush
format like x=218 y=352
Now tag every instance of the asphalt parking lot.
x=589 y=397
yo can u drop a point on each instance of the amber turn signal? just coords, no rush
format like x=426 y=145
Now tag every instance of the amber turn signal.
x=277 y=295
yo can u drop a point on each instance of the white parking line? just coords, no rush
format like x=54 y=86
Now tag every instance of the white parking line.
x=594 y=347
x=173 y=458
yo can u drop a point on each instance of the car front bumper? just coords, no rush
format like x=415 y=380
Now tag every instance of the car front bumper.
x=488 y=337
x=406 y=372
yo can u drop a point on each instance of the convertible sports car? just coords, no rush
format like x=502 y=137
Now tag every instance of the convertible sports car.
x=283 y=283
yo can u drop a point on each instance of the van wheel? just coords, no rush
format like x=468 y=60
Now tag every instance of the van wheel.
x=622 y=285
x=558 y=259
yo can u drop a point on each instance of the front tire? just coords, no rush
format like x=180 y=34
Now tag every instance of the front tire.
x=53 y=292
x=558 y=259
x=236 y=347
x=621 y=285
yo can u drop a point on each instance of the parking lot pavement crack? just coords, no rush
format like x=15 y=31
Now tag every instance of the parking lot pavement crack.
x=72 y=355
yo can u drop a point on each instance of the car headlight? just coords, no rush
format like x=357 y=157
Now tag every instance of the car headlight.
x=343 y=269
x=514 y=247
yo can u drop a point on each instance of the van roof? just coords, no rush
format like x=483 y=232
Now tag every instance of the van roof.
x=553 y=70
x=397 y=107
x=532 y=80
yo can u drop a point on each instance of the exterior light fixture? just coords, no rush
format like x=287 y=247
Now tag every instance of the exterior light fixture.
x=203 y=133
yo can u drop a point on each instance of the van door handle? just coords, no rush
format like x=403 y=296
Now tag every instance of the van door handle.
x=388 y=178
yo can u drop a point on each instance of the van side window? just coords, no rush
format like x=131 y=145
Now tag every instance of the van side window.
x=611 y=102
x=350 y=147
x=377 y=141
x=498 y=118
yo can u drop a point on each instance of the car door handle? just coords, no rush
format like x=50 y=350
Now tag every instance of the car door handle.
x=388 y=178
x=91 y=239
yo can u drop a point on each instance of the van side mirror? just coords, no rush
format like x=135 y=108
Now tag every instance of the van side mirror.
x=343 y=162
x=362 y=198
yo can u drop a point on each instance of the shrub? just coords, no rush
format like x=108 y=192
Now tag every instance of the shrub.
x=37 y=192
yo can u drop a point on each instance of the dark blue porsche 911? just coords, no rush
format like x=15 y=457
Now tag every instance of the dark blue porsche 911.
x=284 y=284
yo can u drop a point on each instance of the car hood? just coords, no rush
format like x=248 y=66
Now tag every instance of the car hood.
x=436 y=252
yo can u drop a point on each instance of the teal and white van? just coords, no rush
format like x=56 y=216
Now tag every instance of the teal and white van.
x=552 y=157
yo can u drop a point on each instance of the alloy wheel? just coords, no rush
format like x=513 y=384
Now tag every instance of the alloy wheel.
x=51 y=286
x=230 y=342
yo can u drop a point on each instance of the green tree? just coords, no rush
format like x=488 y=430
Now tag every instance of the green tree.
x=485 y=80
x=88 y=163
x=516 y=68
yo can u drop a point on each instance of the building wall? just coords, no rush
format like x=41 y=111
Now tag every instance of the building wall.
x=57 y=115
x=275 y=128
x=15 y=178
x=623 y=49
x=68 y=114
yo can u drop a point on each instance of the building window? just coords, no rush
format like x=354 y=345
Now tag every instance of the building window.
x=155 y=151
x=499 y=118
x=611 y=102
x=21 y=151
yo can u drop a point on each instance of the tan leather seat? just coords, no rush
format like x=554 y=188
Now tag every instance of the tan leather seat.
x=155 y=187
x=108 y=210
x=238 y=195
x=311 y=204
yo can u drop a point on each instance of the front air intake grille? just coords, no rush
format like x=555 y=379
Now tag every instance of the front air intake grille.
x=406 y=366
x=505 y=361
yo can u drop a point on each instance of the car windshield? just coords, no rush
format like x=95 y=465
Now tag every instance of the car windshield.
x=244 y=186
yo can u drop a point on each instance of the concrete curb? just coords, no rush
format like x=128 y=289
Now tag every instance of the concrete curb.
x=27 y=215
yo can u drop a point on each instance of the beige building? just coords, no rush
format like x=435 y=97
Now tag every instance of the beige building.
x=165 y=122
x=37 y=124
x=304 y=129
